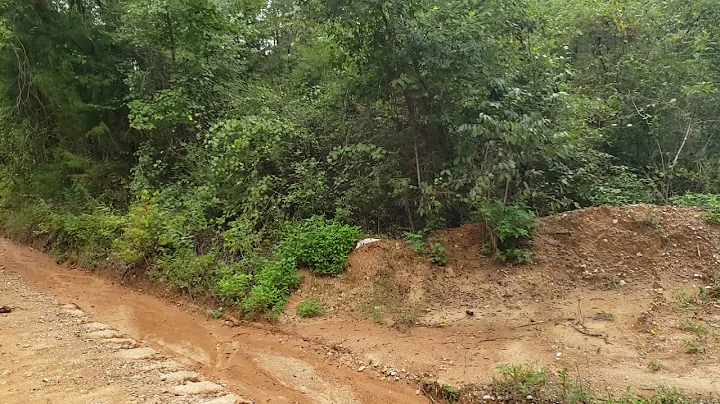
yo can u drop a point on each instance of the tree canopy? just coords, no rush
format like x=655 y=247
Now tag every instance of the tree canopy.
x=156 y=130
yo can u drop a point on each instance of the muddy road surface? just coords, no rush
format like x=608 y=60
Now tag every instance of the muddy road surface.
x=73 y=337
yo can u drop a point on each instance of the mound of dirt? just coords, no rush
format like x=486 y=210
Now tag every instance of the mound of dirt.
x=601 y=248
x=622 y=296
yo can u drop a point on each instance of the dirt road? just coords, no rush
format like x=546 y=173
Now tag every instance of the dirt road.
x=77 y=338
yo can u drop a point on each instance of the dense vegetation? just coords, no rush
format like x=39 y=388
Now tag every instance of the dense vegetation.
x=218 y=144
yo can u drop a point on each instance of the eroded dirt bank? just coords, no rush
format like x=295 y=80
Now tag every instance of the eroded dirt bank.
x=255 y=363
x=620 y=297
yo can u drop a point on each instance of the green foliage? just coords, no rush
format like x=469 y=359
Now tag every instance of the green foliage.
x=273 y=283
x=157 y=132
x=319 y=244
x=438 y=254
x=309 y=308
x=510 y=226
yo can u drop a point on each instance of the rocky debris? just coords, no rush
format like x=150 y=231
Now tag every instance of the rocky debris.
x=228 y=399
x=72 y=310
x=136 y=353
x=181 y=376
x=101 y=334
x=204 y=387
x=121 y=342
x=94 y=326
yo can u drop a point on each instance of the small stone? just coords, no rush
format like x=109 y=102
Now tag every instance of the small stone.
x=622 y=282
x=191 y=388
x=615 y=221
x=361 y=368
x=488 y=397
x=638 y=254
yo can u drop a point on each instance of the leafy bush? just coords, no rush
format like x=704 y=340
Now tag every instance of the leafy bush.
x=187 y=271
x=509 y=228
x=309 y=308
x=273 y=283
x=319 y=244
x=438 y=254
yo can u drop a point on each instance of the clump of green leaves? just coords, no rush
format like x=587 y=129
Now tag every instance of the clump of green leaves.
x=273 y=284
x=509 y=229
x=437 y=251
x=310 y=308
x=319 y=244
x=438 y=254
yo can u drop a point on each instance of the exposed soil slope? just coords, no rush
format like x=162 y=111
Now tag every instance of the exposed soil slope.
x=611 y=291
x=612 y=296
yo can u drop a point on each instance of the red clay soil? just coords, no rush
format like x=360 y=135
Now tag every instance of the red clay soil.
x=605 y=297
x=256 y=362
x=611 y=290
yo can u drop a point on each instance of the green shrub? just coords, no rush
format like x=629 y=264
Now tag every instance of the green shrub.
x=187 y=271
x=273 y=283
x=139 y=239
x=233 y=287
x=309 y=308
x=438 y=254
x=319 y=244
x=509 y=227
x=87 y=237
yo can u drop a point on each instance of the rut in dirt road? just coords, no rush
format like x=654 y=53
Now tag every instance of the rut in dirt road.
x=260 y=364
x=54 y=353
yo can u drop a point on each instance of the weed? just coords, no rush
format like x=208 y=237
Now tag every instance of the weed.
x=507 y=229
x=215 y=314
x=310 y=308
x=520 y=379
x=692 y=346
x=438 y=254
x=652 y=220
x=698 y=329
x=273 y=283
x=655 y=366
x=684 y=300
x=417 y=241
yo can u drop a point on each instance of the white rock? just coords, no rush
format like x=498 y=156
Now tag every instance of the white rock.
x=366 y=241
x=89 y=327
x=361 y=368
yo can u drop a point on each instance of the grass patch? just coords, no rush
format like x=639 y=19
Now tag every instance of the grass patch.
x=699 y=329
x=655 y=366
x=310 y=308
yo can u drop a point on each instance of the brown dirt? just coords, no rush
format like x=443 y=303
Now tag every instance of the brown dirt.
x=260 y=363
x=393 y=319
x=618 y=271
